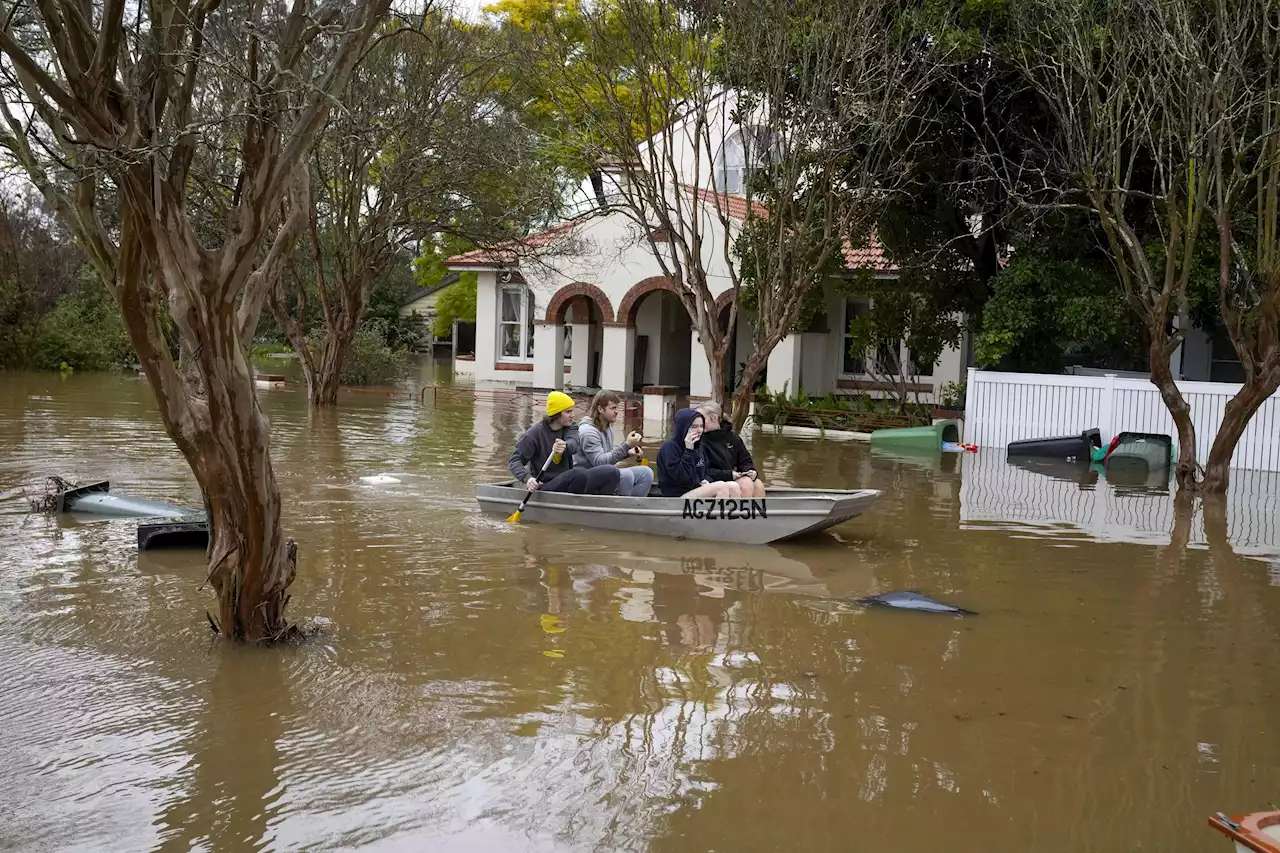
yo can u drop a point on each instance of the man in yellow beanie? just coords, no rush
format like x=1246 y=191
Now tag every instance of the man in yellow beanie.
x=556 y=437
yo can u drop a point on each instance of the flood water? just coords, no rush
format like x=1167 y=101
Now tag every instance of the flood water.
x=487 y=687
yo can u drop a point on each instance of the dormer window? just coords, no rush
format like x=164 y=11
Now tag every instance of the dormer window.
x=743 y=152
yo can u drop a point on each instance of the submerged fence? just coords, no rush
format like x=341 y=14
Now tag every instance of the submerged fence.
x=1005 y=407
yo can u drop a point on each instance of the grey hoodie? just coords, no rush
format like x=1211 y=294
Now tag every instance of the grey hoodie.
x=595 y=447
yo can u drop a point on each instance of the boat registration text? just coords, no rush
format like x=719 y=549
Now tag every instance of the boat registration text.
x=724 y=508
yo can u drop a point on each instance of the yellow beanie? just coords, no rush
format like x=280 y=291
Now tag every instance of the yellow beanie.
x=558 y=402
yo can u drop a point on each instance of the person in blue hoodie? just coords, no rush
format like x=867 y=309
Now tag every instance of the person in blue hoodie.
x=682 y=463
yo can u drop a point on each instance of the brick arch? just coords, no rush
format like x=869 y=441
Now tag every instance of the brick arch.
x=638 y=291
x=559 y=303
x=723 y=301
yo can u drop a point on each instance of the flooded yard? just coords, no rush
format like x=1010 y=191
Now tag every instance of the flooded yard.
x=488 y=687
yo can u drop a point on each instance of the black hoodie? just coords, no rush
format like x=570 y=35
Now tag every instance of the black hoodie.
x=726 y=453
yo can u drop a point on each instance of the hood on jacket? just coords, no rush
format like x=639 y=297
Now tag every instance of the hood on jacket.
x=684 y=420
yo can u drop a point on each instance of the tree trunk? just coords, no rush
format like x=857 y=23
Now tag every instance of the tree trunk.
x=1186 y=468
x=323 y=384
x=745 y=392
x=225 y=438
x=1236 y=415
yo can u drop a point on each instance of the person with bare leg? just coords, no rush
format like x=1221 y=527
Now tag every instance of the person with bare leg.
x=682 y=463
x=727 y=456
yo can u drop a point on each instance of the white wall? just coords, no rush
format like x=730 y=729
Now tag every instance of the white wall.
x=1005 y=407
x=486 y=325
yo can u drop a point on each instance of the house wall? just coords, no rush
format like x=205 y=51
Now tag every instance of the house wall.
x=487 y=327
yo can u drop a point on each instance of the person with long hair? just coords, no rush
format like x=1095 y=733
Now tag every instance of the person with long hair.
x=555 y=437
x=727 y=456
x=596 y=447
x=682 y=462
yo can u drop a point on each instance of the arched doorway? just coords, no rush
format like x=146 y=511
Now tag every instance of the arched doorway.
x=578 y=312
x=663 y=334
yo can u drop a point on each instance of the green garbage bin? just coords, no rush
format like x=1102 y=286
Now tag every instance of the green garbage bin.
x=920 y=437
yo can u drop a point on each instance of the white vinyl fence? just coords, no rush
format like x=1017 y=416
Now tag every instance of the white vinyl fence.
x=1005 y=407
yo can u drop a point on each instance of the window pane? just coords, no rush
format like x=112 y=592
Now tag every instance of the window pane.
x=528 y=340
x=852 y=363
x=887 y=357
x=568 y=342
x=510 y=336
x=511 y=305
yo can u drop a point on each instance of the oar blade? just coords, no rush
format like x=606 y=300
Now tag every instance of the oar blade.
x=514 y=518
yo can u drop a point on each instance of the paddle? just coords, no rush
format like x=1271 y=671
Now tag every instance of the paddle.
x=515 y=516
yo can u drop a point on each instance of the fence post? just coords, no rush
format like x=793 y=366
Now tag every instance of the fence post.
x=1107 y=409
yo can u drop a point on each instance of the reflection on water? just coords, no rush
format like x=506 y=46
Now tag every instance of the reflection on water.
x=1068 y=502
x=485 y=686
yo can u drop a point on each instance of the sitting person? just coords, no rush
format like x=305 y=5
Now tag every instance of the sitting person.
x=727 y=456
x=556 y=437
x=595 y=446
x=682 y=463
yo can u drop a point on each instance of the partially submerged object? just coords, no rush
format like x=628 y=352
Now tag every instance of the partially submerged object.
x=912 y=600
x=189 y=531
x=1067 y=448
x=163 y=524
x=1258 y=832
x=1140 y=454
x=784 y=514
x=930 y=437
x=379 y=480
x=97 y=499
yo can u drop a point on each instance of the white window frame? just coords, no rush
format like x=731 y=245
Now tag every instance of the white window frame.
x=903 y=352
x=524 y=322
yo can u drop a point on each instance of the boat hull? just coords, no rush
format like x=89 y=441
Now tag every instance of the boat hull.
x=784 y=514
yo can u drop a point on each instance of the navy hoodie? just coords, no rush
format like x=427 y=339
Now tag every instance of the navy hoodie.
x=680 y=469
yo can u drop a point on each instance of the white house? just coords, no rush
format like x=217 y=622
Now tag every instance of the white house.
x=421 y=304
x=597 y=311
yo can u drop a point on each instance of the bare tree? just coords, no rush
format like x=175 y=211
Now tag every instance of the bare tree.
x=1163 y=123
x=833 y=88
x=1245 y=206
x=167 y=135
x=426 y=145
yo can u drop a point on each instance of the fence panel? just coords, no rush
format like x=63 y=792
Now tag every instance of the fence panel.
x=1005 y=407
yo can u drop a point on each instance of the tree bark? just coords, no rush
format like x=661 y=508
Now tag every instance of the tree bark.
x=225 y=437
x=1236 y=416
x=745 y=392
x=1186 y=469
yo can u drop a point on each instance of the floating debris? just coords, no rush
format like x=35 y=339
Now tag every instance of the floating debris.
x=379 y=480
x=912 y=600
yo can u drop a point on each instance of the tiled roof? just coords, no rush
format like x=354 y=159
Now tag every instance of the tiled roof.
x=735 y=206
x=509 y=253
x=871 y=256
x=868 y=257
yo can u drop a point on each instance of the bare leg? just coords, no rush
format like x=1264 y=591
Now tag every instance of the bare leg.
x=759 y=489
x=746 y=486
x=714 y=490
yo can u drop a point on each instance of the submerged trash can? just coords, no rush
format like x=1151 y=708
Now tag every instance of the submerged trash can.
x=1141 y=454
x=930 y=437
x=1076 y=448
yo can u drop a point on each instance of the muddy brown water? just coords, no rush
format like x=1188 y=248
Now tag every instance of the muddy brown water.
x=484 y=687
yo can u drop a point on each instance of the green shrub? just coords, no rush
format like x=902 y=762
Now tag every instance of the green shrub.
x=83 y=332
x=369 y=360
